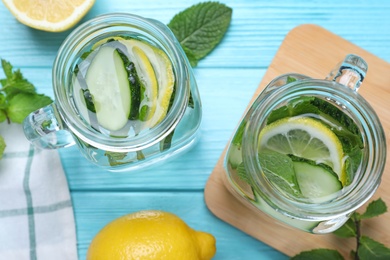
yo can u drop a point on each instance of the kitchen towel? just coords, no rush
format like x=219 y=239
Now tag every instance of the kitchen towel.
x=36 y=213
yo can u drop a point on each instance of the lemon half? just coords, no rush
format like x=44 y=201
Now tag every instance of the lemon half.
x=52 y=16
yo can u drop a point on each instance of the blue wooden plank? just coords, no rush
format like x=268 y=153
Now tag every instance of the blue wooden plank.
x=257 y=29
x=94 y=210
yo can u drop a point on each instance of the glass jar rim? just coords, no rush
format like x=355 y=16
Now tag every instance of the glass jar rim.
x=376 y=145
x=111 y=23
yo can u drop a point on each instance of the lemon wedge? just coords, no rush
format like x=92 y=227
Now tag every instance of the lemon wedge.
x=307 y=138
x=52 y=16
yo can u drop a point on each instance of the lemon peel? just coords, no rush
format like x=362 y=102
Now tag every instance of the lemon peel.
x=52 y=16
x=151 y=234
x=304 y=137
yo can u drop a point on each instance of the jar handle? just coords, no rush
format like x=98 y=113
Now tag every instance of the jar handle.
x=350 y=72
x=44 y=128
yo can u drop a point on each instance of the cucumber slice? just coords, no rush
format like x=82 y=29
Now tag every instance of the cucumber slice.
x=108 y=84
x=316 y=181
x=135 y=85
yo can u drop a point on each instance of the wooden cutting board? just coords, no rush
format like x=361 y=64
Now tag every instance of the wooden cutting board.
x=313 y=51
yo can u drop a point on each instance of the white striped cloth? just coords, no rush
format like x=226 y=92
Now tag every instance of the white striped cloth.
x=36 y=213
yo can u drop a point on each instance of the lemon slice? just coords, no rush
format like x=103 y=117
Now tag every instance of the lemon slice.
x=166 y=84
x=52 y=16
x=304 y=137
x=149 y=90
x=162 y=71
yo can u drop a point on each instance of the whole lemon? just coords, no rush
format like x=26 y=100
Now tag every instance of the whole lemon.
x=151 y=234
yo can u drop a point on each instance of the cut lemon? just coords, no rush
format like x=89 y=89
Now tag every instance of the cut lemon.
x=160 y=71
x=147 y=76
x=52 y=16
x=304 y=137
x=166 y=84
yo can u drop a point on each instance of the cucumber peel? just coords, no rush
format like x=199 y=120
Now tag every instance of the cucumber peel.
x=315 y=180
x=135 y=85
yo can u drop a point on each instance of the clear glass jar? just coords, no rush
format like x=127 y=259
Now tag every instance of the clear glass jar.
x=246 y=173
x=61 y=124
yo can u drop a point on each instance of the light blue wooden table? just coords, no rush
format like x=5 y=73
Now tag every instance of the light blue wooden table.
x=227 y=79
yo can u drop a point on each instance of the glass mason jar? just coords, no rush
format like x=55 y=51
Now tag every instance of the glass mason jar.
x=273 y=163
x=62 y=124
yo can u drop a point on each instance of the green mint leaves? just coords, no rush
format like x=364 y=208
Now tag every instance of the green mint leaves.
x=371 y=249
x=279 y=170
x=374 y=209
x=366 y=248
x=324 y=254
x=23 y=104
x=350 y=228
x=18 y=98
x=200 y=28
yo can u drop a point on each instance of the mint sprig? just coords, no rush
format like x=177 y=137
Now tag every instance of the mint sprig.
x=200 y=28
x=366 y=248
x=18 y=98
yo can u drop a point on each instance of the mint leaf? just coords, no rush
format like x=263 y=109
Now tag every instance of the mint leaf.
x=237 y=139
x=2 y=147
x=191 y=57
x=374 y=209
x=347 y=230
x=290 y=79
x=20 y=85
x=3 y=106
x=21 y=105
x=337 y=114
x=200 y=28
x=241 y=172
x=3 y=102
x=371 y=249
x=18 y=98
x=114 y=158
x=3 y=115
x=7 y=68
x=323 y=254
x=17 y=84
x=298 y=106
x=279 y=170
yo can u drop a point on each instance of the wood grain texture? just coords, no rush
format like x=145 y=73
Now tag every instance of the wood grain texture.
x=313 y=51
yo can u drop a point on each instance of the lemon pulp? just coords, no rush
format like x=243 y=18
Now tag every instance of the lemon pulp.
x=53 y=16
x=304 y=137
